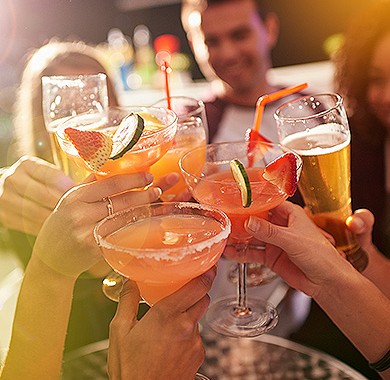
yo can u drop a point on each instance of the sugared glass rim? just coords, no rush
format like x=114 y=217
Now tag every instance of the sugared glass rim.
x=162 y=253
x=338 y=103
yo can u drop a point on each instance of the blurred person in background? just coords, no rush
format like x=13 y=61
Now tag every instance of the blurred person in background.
x=31 y=187
x=362 y=77
x=232 y=41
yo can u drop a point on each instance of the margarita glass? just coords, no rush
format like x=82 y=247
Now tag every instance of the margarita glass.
x=67 y=96
x=209 y=178
x=316 y=127
x=192 y=132
x=155 y=141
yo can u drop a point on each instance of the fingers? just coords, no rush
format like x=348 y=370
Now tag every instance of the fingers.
x=167 y=181
x=115 y=185
x=127 y=310
x=362 y=221
x=192 y=297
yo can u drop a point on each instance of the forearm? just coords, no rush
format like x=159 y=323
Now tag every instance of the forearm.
x=40 y=324
x=361 y=311
x=378 y=270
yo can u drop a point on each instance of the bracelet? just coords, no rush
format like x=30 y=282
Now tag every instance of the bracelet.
x=382 y=364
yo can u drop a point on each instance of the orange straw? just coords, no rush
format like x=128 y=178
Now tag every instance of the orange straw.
x=166 y=68
x=264 y=99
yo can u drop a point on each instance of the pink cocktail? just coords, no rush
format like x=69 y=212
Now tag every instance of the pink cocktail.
x=209 y=178
x=162 y=246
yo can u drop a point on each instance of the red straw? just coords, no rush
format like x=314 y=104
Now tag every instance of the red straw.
x=166 y=68
x=263 y=100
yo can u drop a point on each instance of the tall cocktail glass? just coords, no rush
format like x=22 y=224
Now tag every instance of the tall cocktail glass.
x=209 y=178
x=67 y=96
x=155 y=141
x=162 y=246
x=192 y=132
x=316 y=127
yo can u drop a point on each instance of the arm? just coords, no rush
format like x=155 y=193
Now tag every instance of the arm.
x=166 y=342
x=63 y=250
x=300 y=254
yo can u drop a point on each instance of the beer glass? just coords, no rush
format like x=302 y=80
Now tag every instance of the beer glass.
x=316 y=127
x=67 y=96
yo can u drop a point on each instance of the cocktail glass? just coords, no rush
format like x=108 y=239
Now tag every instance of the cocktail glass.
x=316 y=127
x=162 y=246
x=67 y=96
x=192 y=132
x=208 y=176
x=155 y=141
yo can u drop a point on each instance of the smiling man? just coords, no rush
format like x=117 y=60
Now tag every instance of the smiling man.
x=232 y=42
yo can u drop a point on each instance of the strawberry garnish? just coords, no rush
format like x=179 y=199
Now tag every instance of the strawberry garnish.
x=282 y=172
x=255 y=149
x=92 y=146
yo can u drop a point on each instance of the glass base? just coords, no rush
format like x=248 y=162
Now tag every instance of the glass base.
x=112 y=286
x=225 y=318
x=256 y=274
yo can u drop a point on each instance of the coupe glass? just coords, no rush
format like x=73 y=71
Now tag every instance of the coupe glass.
x=67 y=96
x=316 y=127
x=208 y=176
x=155 y=141
x=162 y=246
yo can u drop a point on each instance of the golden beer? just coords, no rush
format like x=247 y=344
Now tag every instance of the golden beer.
x=325 y=180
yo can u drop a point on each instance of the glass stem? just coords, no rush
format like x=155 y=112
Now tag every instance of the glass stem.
x=241 y=290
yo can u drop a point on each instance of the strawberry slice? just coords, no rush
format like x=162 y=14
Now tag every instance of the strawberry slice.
x=92 y=146
x=282 y=172
x=255 y=151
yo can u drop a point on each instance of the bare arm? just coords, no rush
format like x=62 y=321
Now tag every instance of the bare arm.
x=300 y=254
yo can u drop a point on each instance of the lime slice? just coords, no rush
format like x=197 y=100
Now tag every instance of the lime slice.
x=127 y=134
x=241 y=177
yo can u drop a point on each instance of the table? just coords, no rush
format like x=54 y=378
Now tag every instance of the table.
x=263 y=358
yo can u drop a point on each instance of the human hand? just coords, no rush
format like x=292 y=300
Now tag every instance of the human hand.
x=65 y=242
x=296 y=249
x=361 y=224
x=166 y=342
x=29 y=191
x=168 y=181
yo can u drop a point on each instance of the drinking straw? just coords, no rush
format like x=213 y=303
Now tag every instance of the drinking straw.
x=264 y=99
x=166 y=69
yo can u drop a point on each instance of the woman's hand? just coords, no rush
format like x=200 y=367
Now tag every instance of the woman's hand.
x=65 y=242
x=29 y=191
x=296 y=249
x=165 y=343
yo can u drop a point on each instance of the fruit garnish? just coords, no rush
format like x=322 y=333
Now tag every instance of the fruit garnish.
x=126 y=136
x=256 y=150
x=241 y=177
x=282 y=172
x=92 y=146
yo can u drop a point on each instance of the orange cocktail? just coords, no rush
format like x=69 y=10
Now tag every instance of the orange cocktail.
x=159 y=128
x=162 y=246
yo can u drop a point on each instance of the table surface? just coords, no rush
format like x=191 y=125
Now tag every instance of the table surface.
x=266 y=357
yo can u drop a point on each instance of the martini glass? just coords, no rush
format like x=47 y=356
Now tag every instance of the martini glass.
x=162 y=246
x=155 y=141
x=208 y=177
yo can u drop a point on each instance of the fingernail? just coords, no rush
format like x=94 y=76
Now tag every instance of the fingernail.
x=252 y=224
x=172 y=178
x=157 y=192
x=148 y=177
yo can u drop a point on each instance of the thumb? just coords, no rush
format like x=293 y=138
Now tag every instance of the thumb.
x=129 y=298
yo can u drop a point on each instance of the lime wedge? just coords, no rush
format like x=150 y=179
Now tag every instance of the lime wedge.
x=241 y=177
x=127 y=134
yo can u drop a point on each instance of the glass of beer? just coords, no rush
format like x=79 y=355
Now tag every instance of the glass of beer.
x=316 y=127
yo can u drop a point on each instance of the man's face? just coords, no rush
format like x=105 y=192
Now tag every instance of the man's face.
x=238 y=43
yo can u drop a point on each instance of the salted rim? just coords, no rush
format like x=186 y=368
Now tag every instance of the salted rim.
x=165 y=254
